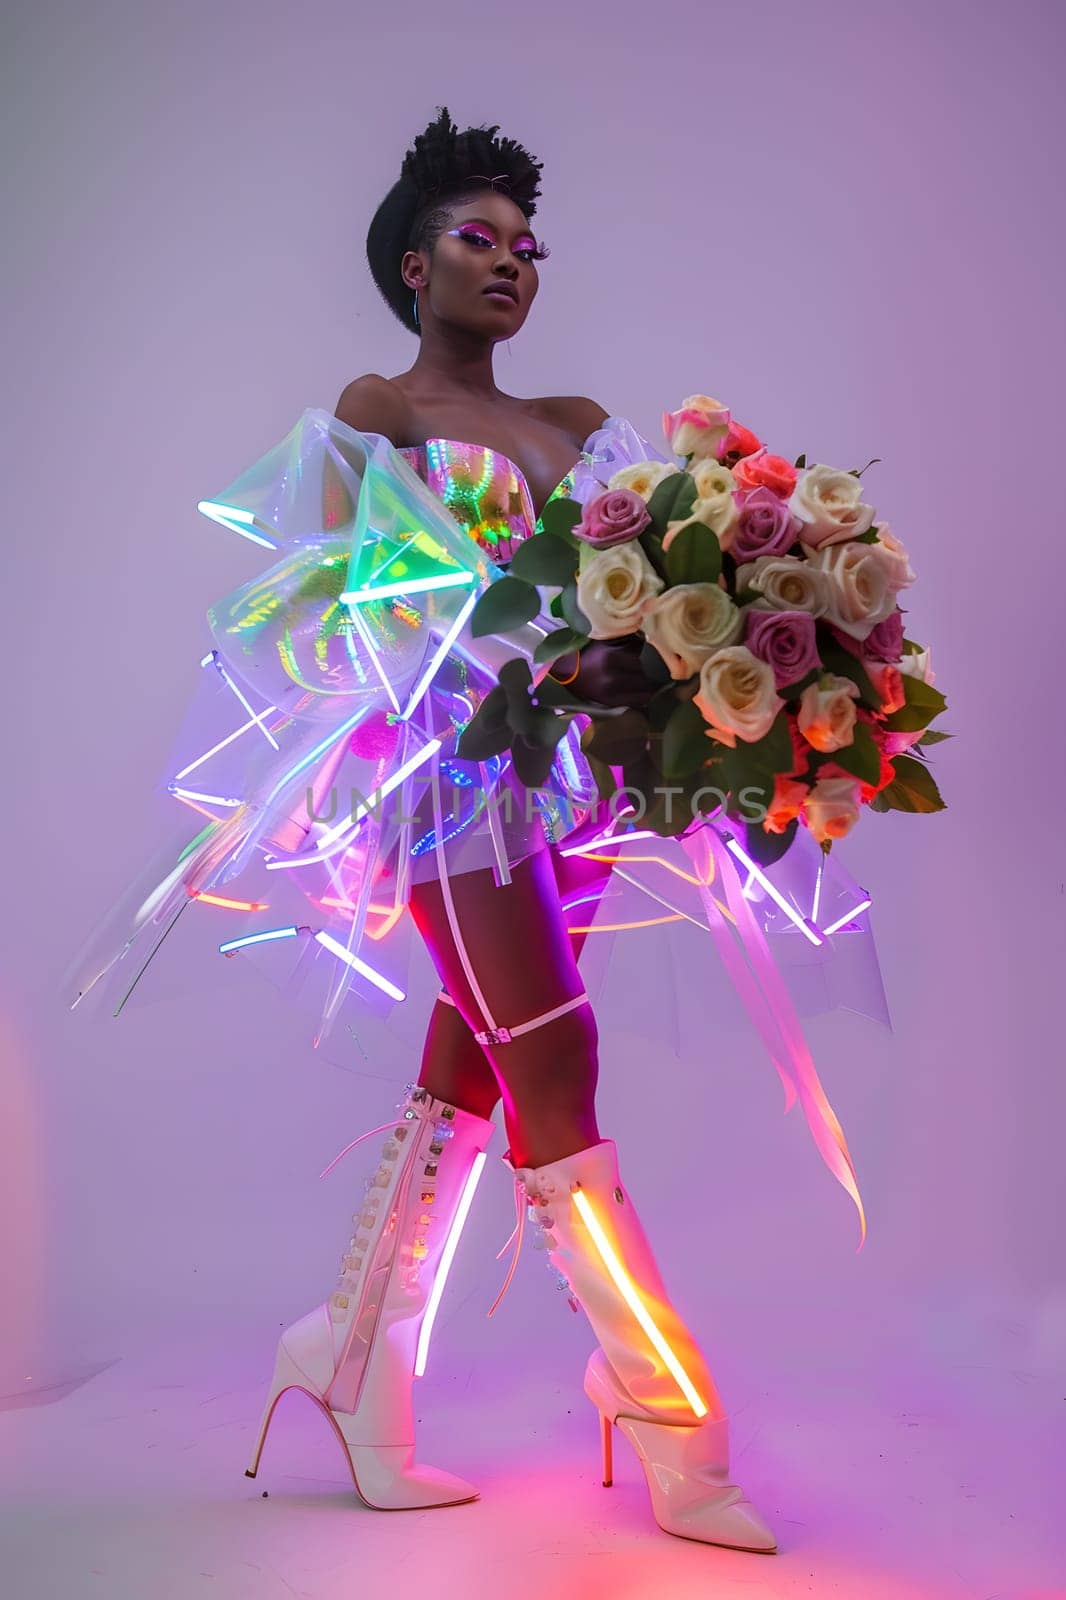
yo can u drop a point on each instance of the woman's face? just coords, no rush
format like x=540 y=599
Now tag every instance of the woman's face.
x=488 y=246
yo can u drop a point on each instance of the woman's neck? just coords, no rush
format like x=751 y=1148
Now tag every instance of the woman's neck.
x=458 y=363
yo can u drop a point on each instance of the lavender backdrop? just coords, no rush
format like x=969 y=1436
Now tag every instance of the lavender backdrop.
x=843 y=220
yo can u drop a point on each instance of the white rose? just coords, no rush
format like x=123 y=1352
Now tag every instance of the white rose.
x=786 y=583
x=614 y=588
x=832 y=807
x=698 y=428
x=827 y=712
x=644 y=477
x=714 y=505
x=859 y=592
x=830 y=503
x=918 y=664
x=737 y=697
x=688 y=623
x=893 y=556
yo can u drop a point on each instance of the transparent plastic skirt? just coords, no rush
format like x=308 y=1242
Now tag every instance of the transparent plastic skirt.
x=299 y=796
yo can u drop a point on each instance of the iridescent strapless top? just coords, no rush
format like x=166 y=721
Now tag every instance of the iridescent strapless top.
x=485 y=491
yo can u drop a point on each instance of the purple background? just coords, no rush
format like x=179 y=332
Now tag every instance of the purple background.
x=846 y=223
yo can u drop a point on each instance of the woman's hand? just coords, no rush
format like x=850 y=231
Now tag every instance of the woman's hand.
x=610 y=673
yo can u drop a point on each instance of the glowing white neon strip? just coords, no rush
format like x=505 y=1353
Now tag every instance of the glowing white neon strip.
x=255 y=716
x=257 y=938
x=184 y=773
x=636 y=1305
x=817 y=890
x=322 y=849
x=854 y=912
x=335 y=947
x=375 y=656
x=438 y=656
x=208 y=799
x=608 y=838
x=237 y=521
x=320 y=749
x=775 y=894
x=446 y=1262
x=452 y=580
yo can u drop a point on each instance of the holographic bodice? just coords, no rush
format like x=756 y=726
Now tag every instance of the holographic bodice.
x=485 y=491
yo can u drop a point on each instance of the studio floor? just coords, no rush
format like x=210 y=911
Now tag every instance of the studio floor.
x=128 y=1484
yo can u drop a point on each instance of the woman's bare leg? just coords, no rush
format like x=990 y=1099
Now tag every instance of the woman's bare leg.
x=454 y=1067
x=522 y=956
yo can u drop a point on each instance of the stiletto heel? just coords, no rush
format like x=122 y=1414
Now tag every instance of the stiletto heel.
x=608 y=1456
x=357 y=1355
x=287 y=1375
x=648 y=1378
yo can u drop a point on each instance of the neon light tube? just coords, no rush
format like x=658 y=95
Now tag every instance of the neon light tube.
x=335 y=947
x=184 y=773
x=854 y=912
x=805 y=927
x=257 y=938
x=255 y=716
x=208 y=799
x=452 y=580
x=441 y=651
x=446 y=1262
x=629 y=1294
x=237 y=521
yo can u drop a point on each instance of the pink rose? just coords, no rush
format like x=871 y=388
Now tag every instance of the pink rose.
x=614 y=517
x=885 y=642
x=785 y=639
x=787 y=802
x=765 y=526
x=764 y=471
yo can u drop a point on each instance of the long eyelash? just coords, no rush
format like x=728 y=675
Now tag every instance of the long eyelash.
x=540 y=252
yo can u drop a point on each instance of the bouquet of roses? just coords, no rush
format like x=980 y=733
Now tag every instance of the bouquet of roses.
x=764 y=594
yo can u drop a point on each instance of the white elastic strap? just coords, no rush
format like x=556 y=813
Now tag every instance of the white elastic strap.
x=505 y=1035
x=442 y=994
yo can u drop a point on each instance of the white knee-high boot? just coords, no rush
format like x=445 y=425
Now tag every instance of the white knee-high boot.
x=648 y=1377
x=358 y=1353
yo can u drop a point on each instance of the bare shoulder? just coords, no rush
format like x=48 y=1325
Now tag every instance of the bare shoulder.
x=576 y=414
x=373 y=404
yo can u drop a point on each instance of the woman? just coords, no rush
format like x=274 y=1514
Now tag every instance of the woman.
x=452 y=252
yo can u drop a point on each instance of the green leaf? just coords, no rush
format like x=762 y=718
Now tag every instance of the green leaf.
x=911 y=648
x=913 y=789
x=532 y=762
x=694 y=556
x=544 y=559
x=861 y=758
x=603 y=775
x=841 y=662
x=505 y=604
x=488 y=732
x=572 y=612
x=793 y=691
x=869 y=537
x=772 y=753
x=617 y=740
x=652 y=545
x=560 y=517
x=801 y=461
x=685 y=745
x=766 y=848
x=924 y=702
x=558 y=643
x=672 y=500
x=556 y=606
x=933 y=736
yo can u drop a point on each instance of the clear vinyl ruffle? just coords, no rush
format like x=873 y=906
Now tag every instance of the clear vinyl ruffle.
x=333 y=686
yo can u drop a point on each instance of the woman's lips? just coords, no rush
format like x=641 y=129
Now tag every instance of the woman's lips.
x=508 y=296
